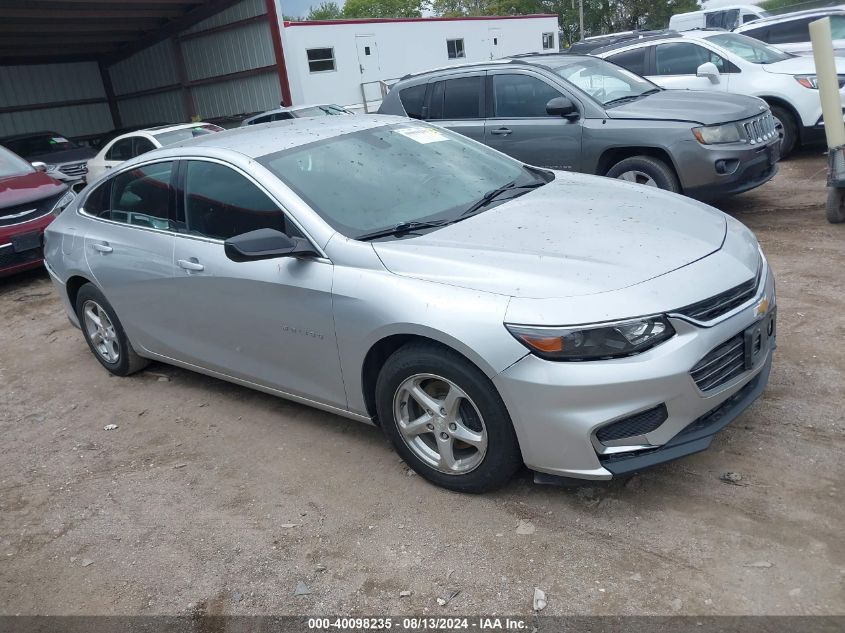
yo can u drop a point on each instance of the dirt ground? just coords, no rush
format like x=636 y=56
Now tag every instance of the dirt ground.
x=211 y=498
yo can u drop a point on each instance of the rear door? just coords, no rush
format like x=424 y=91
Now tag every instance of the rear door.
x=519 y=125
x=458 y=103
x=130 y=250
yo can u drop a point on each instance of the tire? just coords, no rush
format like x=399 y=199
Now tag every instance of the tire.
x=108 y=341
x=835 y=205
x=476 y=413
x=787 y=128
x=646 y=170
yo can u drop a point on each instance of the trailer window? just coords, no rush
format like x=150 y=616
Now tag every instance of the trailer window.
x=320 y=60
x=455 y=48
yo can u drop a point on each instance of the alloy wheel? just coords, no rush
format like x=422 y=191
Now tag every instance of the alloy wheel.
x=101 y=331
x=440 y=423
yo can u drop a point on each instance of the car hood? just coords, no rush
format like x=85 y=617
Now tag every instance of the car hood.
x=695 y=106
x=26 y=188
x=799 y=65
x=64 y=156
x=578 y=235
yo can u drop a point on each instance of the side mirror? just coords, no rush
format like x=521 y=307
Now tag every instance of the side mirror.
x=562 y=106
x=39 y=166
x=266 y=244
x=709 y=70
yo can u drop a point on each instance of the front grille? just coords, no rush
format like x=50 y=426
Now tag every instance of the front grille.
x=760 y=129
x=639 y=424
x=25 y=212
x=721 y=365
x=9 y=259
x=724 y=302
x=74 y=170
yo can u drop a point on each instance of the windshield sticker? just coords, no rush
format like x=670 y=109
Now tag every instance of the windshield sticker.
x=423 y=135
x=58 y=139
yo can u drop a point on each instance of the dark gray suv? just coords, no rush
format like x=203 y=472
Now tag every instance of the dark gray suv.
x=584 y=114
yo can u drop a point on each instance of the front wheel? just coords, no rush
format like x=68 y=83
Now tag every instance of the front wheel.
x=446 y=419
x=645 y=170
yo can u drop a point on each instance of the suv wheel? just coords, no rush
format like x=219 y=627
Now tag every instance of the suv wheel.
x=104 y=333
x=787 y=130
x=446 y=419
x=645 y=170
x=835 y=205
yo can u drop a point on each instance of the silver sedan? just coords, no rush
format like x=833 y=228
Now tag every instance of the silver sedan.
x=485 y=313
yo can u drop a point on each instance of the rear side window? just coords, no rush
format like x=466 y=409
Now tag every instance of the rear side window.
x=221 y=203
x=143 y=196
x=97 y=202
x=461 y=98
x=412 y=100
x=631 y=60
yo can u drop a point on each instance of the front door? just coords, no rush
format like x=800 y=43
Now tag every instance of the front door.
x=130 y=254
x=269 y=322
x=521 y=127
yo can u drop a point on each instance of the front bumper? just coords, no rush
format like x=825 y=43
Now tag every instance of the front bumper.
x=558 y=407
x=722 y=171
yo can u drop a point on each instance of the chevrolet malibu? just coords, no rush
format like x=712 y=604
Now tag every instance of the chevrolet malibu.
x=484 y=313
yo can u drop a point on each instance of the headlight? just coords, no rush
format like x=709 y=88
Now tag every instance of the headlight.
x=715 y=134
x=812 y=82
x=63 y=203
x=599 y=342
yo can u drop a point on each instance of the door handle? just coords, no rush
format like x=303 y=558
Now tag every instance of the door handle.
x=501 y=131
x=102 y=247
x=190 y=264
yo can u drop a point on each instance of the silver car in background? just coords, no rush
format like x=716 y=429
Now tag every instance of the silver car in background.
x=485 y=313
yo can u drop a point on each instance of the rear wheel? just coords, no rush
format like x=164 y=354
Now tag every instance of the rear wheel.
x=446 y=419
x=104 y=333
x=648 y=171
x=835 y=205
x=786 y=128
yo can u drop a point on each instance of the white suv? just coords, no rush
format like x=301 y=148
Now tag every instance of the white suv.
x=729 y=62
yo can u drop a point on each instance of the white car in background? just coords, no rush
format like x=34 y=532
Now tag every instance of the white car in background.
x=791 y=32
x=732 y=63
x=133 y=144
x=295 y=112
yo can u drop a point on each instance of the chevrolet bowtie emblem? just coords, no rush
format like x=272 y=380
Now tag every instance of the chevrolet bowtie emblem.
x=762 y=307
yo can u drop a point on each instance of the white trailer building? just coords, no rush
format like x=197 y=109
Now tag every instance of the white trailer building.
x=350 y=62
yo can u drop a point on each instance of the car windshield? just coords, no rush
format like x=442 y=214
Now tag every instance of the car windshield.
x=375 y=179
x=748 y=48
x=186 y=134
x=603 y=81
x=40 y=144
x=13 y=165
x=321 y=110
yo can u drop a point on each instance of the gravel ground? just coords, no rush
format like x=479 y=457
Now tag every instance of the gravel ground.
x=210 y=498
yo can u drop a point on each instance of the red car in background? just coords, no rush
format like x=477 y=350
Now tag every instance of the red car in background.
x=29 y=200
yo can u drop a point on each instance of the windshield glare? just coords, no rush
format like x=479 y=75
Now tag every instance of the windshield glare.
x=749 y=49
x=603 y=81
x=185 y=134
x=13 y=165
x=379 y=178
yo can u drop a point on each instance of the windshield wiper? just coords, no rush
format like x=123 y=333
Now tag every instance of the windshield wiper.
x=490 y=196
x=401 y=229
x=632 y=97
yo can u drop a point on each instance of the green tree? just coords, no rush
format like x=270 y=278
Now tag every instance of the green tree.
x=326 y=10
x=383 y=8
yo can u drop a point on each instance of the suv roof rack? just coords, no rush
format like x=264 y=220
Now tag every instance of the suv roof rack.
x=607 y=42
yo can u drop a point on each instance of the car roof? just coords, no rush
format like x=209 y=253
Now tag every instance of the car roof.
x=258 y=141
x=788 y=17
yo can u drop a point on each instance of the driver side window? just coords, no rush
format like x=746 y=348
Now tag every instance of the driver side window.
x=221 y=203
x=521 y=96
